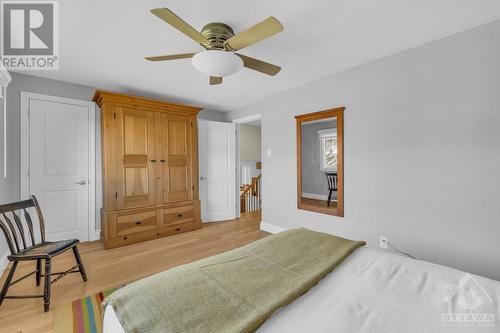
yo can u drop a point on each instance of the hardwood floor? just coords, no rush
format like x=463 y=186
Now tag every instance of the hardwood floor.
x=319 y=203
x=117 y=267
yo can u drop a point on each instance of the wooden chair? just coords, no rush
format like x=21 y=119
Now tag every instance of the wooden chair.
x=331 y=178
x=21 y=250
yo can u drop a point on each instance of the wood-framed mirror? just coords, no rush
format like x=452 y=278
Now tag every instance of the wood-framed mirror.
x=320 y=161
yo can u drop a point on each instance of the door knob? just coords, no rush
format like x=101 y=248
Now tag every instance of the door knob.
x=202 y=178
x=81 y=182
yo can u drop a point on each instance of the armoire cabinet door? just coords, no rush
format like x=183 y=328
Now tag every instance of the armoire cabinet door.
x=177 y=154
x=134 y=147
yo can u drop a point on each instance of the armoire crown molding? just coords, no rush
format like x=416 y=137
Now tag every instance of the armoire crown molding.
x=102 y=96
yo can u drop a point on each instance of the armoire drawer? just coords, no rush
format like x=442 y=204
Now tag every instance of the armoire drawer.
x=174 y=229
x=178 y=215
x=133 y=223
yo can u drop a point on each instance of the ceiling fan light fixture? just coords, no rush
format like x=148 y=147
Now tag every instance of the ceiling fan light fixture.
x=217 y=63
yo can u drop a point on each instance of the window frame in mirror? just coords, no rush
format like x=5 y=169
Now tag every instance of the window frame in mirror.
x=304 y=118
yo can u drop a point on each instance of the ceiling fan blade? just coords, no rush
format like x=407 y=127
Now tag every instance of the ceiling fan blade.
x=265 y=29
x=214 y=80
x=171 y=57
x=259 y=65
x=168 y=16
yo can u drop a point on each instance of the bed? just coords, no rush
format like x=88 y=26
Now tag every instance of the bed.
x=377 y=291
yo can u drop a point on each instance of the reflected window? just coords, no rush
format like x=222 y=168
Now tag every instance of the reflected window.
x=327 y=140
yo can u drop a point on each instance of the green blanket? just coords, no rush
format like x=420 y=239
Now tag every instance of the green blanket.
x=232 y=292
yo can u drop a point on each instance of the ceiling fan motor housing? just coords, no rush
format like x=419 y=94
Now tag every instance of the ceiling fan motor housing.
x=217 y=33
x=220 y=43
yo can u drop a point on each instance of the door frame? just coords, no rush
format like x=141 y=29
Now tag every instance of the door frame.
x=238 y=122
x=26 y=97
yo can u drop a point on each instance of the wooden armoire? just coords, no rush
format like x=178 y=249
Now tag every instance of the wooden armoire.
x=150 y=168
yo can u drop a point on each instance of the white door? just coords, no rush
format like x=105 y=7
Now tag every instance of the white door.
x=217 y=170
x=60 y=158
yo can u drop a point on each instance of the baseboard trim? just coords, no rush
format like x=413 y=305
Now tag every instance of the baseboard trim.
x=95 y=236
x=323 y=197
x=4 y=262
x=271 y=228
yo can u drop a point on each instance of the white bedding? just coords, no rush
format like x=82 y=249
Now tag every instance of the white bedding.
x=375 y=291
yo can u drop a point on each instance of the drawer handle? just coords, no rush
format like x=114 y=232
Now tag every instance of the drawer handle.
x=162 y=161
x=179 y=215
x=178 y=229
x=138 y=222
x=125 y=238
x=153 y=161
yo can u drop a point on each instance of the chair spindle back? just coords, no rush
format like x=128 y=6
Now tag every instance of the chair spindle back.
x=331 y=178
x=13 y=228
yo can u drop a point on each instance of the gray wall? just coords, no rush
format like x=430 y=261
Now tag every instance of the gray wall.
x=212 y=115
x=422 y=151
x=250 y=151
x=250 y=143
x=313 y=179
x=9 y=187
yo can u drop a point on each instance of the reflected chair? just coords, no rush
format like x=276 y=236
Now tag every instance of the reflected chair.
x=16 y=224
x=331 y=178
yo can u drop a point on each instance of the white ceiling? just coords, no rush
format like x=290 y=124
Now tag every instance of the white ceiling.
x=103 y=42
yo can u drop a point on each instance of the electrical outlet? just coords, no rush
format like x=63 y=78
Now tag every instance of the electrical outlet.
x=383 y=242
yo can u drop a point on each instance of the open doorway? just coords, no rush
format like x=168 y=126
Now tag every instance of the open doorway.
x=249 y=167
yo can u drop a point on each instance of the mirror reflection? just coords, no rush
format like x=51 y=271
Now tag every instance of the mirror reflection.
x=320 y=168
x=319 y=163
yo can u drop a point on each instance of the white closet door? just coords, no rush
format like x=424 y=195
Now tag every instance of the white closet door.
x=59 y=174
x=217 y=170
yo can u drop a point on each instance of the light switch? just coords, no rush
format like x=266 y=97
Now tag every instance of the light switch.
x=269 y=154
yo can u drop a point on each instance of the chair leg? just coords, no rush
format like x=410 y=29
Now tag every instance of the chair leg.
x=329 y=197
x=6 y=285
x=46 y=289
x=38 y=271
x=80 y=263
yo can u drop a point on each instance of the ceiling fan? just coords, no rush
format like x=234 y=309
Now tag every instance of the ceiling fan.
x=219 y=58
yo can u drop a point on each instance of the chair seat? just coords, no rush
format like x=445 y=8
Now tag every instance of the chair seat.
x=44 y=250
